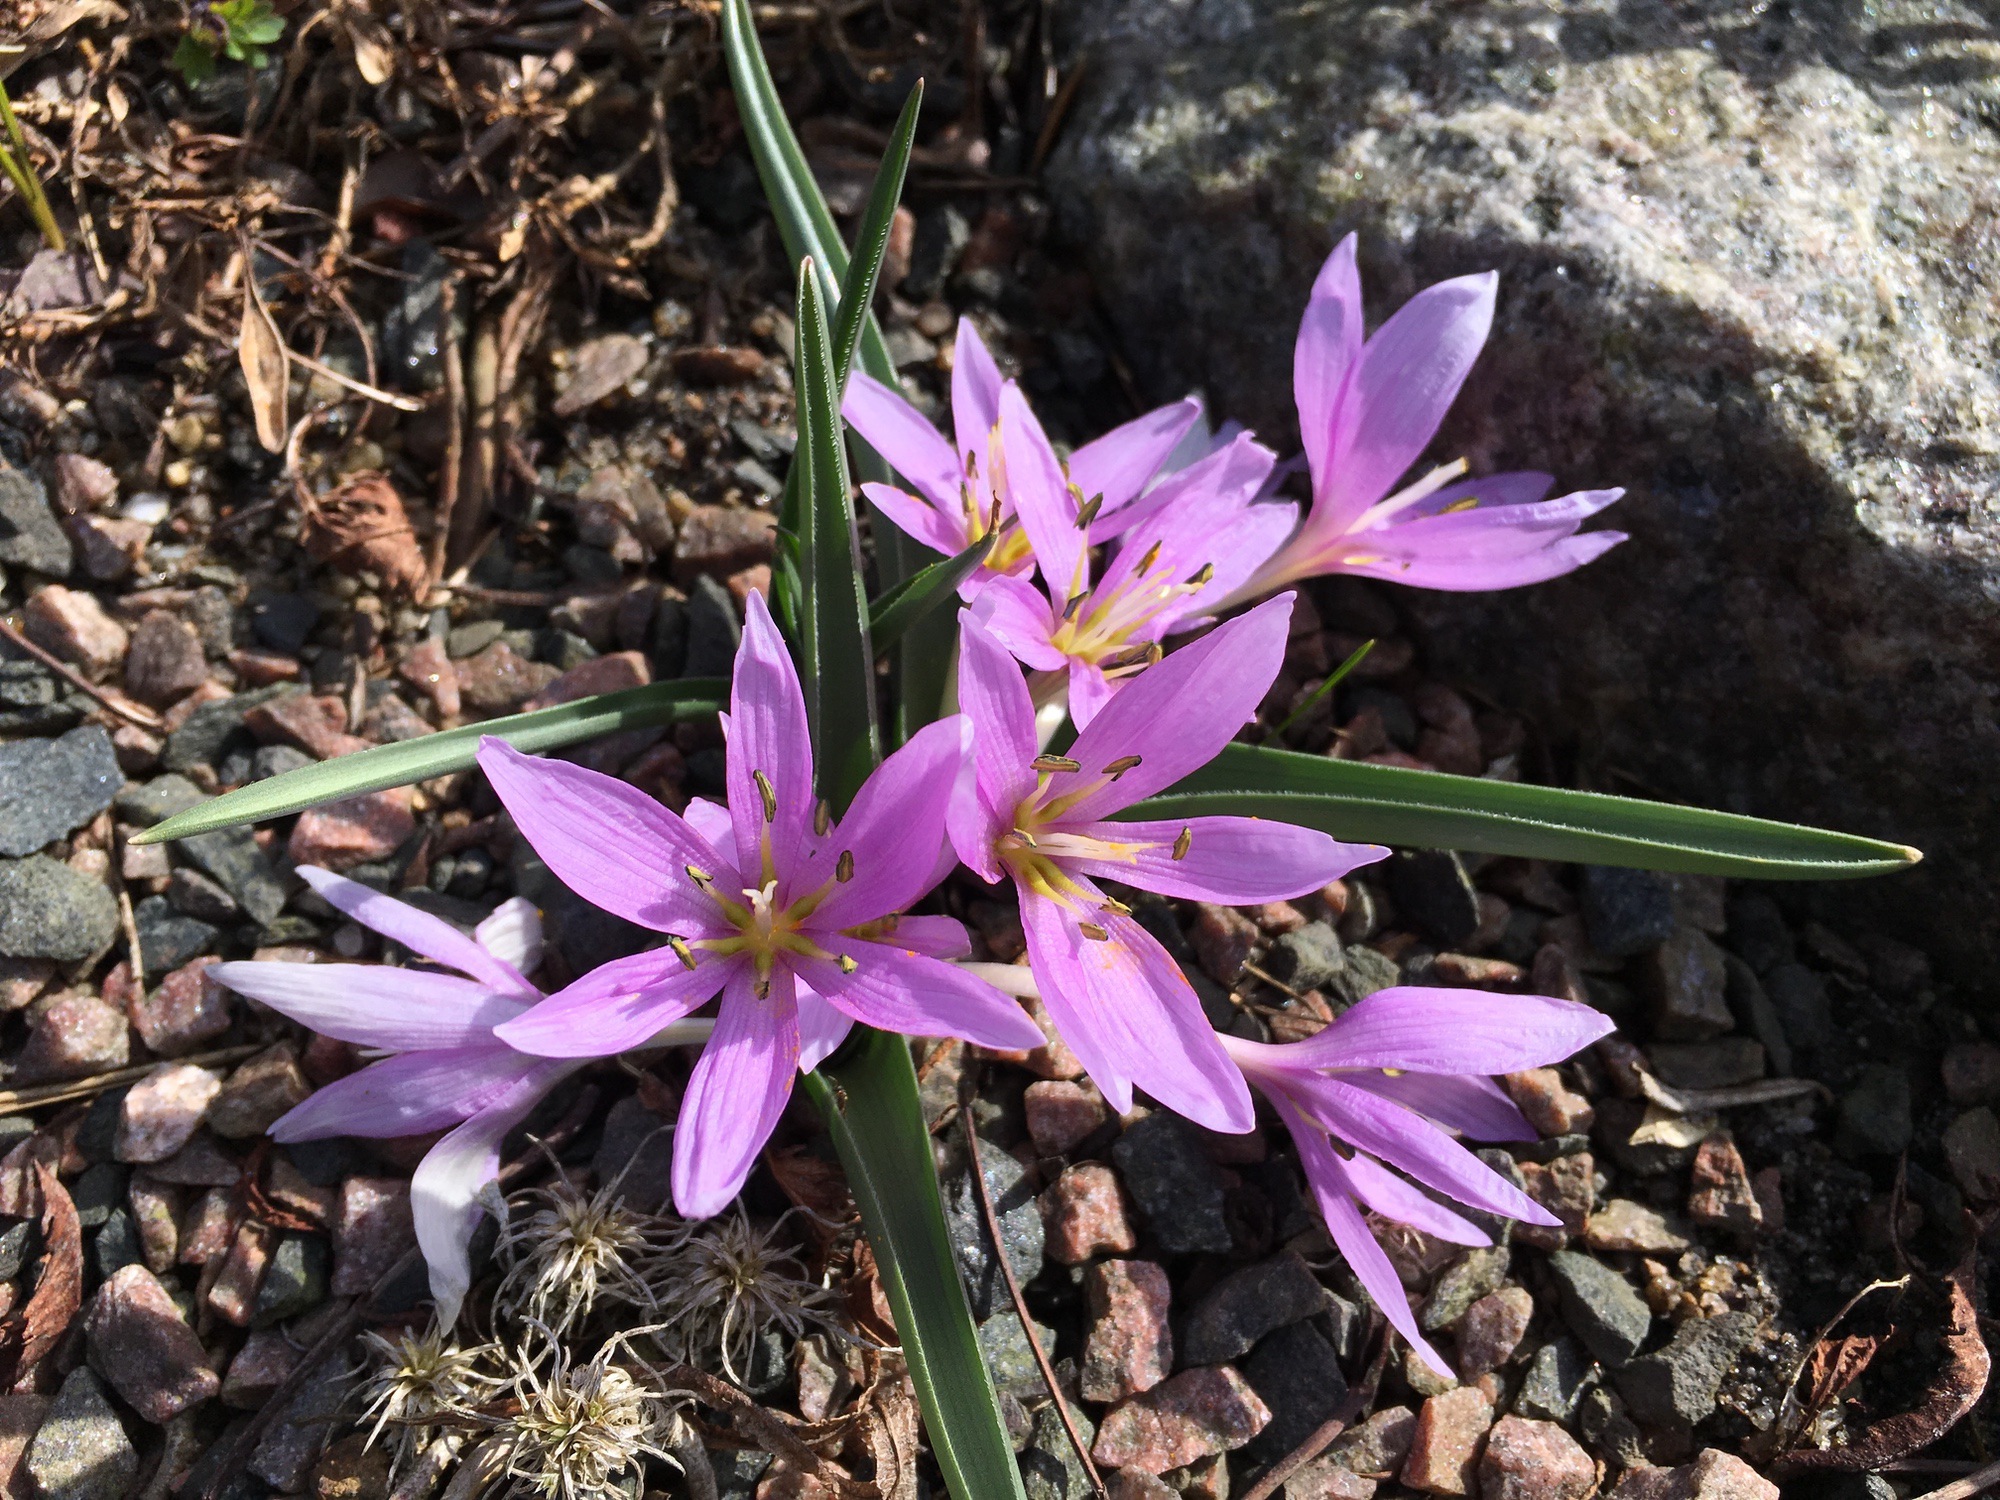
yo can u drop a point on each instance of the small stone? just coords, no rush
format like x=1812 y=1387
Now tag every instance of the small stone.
x=1718 y=1064
x=1476 y=1273
x=616 y=672
x=1021 y=1231
x=74 y=626
x=597 y=368
x=1128 y=1346
x=340 y=835
x=1471 y=971
x=1174 y=1184
x=156 y=1213
x=1623 y=1225
x=1433 y=892
x=48 y=910
x=1004 y=1345
x=115 y=1245
x=193 y=894
x=188 y=1009
x=1687 y=982
x=1446 y=1445
x=632 y=1154
x=1874 y=1117
x=1135 y=1484
x=718 y=540
x=160 y=1113
x=30 y=535
x=288 y=1449
x=1527 y=1460
x=294 y=1280
x=77 y=1036
x=1972 y=1150
x=167 y=939
x=1324 y=1480
x=372 y=1229
x=233 y=1296
x=1378 y=1445
x=1297 y=1375
x=208 y=1229
x=427 y=668
x=48 y=788
x=1551 y=1106
x=1222 y=938
x=202 y=1163
x=165 y=660
x=1084 y=1213
x=1565 y=1187
x=1555 y=1382
x=1307 y=958
x=258 y=1092
x=1714 y=1475
x=1363 y=971
x=290 y=1189
x=1626 y=911
x=21 y=980
x=81 y=1452
x=1600 y=1306
x=21 y=1414
x=499 y=679
x=140 y=1343
x=316 y=725
x=1972 y=1073
x=352 y=1469
x=1492 y=1329
x=1245 y=1305
x=1050 y=1468
x=1720 y=1195
x=1197 y=1413
x=1675 y=1387
x=1062 y=1115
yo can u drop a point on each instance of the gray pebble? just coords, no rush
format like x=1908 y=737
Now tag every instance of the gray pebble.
x=48 y=910
x=1020 y=1219
x=48 y=788
x=1174 y=1184
x=1601 y=1307
x=81 y=1451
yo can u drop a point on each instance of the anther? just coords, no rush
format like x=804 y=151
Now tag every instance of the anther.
x=843 y=868
x=1092 y=931
x=1075 y=603
x=822 y=819
x=1207 y=572
x=1088 y=510
x=1113 y=904
x=768 y=793
x=681 y=950
x=762 y=987
x=847 y=964
x=1470 y=502
x=1120 y=766
x=1055 y=763
x=701 y=878
x=1184 y=842
x=1152 y=556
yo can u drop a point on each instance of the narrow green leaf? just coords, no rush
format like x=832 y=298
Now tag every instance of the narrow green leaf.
x=867 y=1093
x=837 y=663
x=409 y=761
x=871 y=240
x=1395 y=805
x=891 y=616
x=1339 y=674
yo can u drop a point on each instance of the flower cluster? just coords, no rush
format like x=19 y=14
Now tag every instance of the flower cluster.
x=795 y=923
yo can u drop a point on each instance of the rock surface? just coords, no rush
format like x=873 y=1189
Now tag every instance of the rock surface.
x=81 y=1451
x=50 y=787
x=1743 y=274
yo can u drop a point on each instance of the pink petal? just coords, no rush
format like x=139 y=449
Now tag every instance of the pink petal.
x=1118 y=464
x=375 y=1005
x=1177 y=715
x=1552 y=561
x=894 y=829
x=445 y=1188
x=1424 y=1030
x=898 y=989
x=768 y=732
x=995 y=698
x=712 y=821
x=410 y=1094
x=1130 y=1015
x=513 y=934
x=618 y=1005
x=821 y=1027
x=1393 y=1198
x=1467 y=1103
x=1089 y=691
x=419 y=931
x=940 y=530
x=738 y=1090
x=1041 y=498
x=1017 y=615
x=1325 y=359
x=975 y=403
x=607 y=841
x=905 y=439
x=1490 y=532
x=1237 y=465
x=1230 y=861
x=1516 y=487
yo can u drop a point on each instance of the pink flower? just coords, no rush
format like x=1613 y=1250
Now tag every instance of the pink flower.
x=1186 y=544
x=966 y=487
x=1117 y=997
x=789 y=916
x=449 y=1070
x=1381 y=1080
x=1367 y=410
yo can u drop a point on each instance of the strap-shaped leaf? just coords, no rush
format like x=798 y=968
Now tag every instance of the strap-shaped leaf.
x=409 y=761
x=867 y=1093
x=1396 y=805
x=891 y=616
x=871 y=240
x=837 y=665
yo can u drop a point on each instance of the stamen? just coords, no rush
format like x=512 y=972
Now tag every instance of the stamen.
x=1152 y=556
x=847 y=964
x=701 y=878
x=1076 y=602
x=1092 y=931
x=822 y=818
x=843 y=868
x=1207 y=572
x=681 y=950
x=762 y=987
x=1120 y=766
x=1055 y=763
x=1113 y=904
x=1184 y=842
x=1089 y=508
x=768 y=793
x=1470 y=502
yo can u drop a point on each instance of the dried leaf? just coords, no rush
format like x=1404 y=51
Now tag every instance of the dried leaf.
x=1835 y=1365
x=1663 y=1128
x=890 y=1426
x=362 y=524
x=816 y=1185
x=266 y=371
x=27 y=1339
x=374 y=47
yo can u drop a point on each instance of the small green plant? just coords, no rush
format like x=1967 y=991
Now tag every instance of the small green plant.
x=236 y=29
x=21 y=172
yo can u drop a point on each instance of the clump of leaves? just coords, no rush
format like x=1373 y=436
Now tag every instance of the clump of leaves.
x=237 y=29
x=21 y=172
x=578 y=1427
x=418 y=1380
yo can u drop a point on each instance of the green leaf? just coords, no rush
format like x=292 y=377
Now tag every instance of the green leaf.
x=194 y=58
x=438 y=754
x=837 y=665
x=867 y=1093
x=891 y=616
x=871 y=240
x=1395 y=805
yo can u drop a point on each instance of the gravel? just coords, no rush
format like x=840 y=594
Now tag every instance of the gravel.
x=49 y=788
x=48 y=910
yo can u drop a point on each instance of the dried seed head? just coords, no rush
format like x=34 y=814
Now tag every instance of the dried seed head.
x=723 y=1286
x=413 y=1378
x=565 y=1249
x=580 y=1427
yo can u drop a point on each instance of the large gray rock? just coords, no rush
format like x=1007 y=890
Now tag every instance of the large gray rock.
x=1747 y=271
x=49 y=787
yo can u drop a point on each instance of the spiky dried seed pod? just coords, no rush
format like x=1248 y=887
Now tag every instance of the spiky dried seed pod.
x=416 y=1378
x=579 y=1427
x=723 y=1286
x=565 y=1249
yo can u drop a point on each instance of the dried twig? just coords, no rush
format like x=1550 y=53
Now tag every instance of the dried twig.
x=16 y=1101
x=1358 y=1400
x=118 y=703
x=1976 y=1483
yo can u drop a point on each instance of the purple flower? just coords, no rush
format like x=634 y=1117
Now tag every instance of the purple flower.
x=965 y=488
x=449 y=1069
x=1381 y=1080
x=1367 y=410
x=789 y=916
x=1117 y=997
x=1186 y=544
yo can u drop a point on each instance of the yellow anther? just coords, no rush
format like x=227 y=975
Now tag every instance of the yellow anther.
x=768 y=793
x=1113 y=904
x=843 y=868
x=1470 y=502
x=1207 y=572
x=1184 y=842
x=1087 y=509
x=701 y=878
x=1152 y=556
x=1092 y=931
x=681 y=950
x=847 y=965
x=1055 y=763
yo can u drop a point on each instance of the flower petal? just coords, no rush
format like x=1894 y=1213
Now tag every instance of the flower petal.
x=938 y=530
x=940 y=937
x=995 y=698
x=1324 y=361
x=975 y=403
x=445 y=1188
x=1238 y=467
x=1393 y=1198
x=375 y=1005
x=419 y=931
x=513 y=934
x=893 y=830
x=821 y=1027
x=618 y=1005
x=1512 y=488
x=768 y=733
x=736 y=1094
x=410 y=1094
x=1017 y=615
x=1488 y=532
x=1424 y=1030
x=901 y=990
x=1089 y=691
x=1130 y=1015
x=712 y=821
x=905 y=438
x=1118 y=465
x=607 y=841
x=1230 y=861
x=1472 y=1105
x=1552 y=561
x=1041 y=497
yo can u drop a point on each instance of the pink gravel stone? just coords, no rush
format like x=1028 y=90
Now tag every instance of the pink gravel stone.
x=233 y=1298
x=156 y=1213
x=496 y=680
x=1714 y=1475
x=1222 y=938
x=1084 y=1213
x=262 y=1363
x=1136 y=1484
x=139 y=1342
x=1721 y=1195
x=372 y=1227
x=258 y=1092
x=1062 y=1114
x=1492 y=1329
x=74 y=626
x=1379 y=1445
x=1129 y=1347
x=613 y=673
x=187 y=1009
x=1323 y=1480
x=78 y=1035
x=1534 y=1461
x=720 y=540
x=208 y=1228
x=340 y=835
x=1197 y=1413
x=1446 y=1444
x=164 y=660
x=160 y=1113
x=426 y=668
x=1566 y=1189
x=317 y=726
x=1551 y=1106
